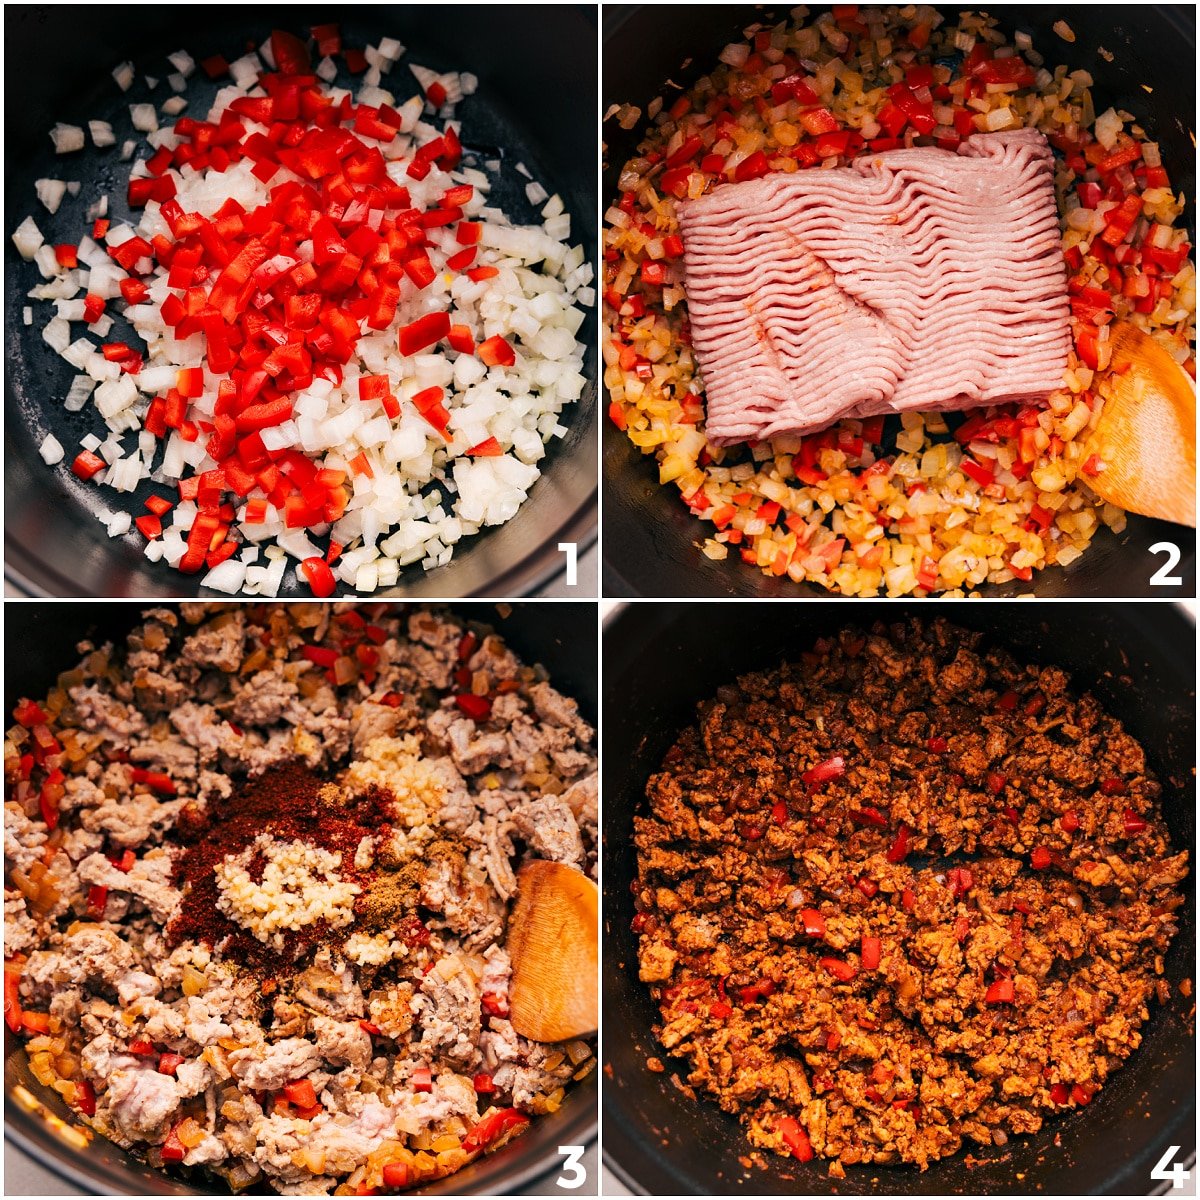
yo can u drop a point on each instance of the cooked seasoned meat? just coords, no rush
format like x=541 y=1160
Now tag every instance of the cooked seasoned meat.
x=261 y=864
x=903 y=894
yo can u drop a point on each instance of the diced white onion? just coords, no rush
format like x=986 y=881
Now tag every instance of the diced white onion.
x=144 y=117
x=66 y=138
x=50 y=192
x=51 y=450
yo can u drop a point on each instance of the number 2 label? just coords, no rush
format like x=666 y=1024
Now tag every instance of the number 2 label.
x=1163 y=575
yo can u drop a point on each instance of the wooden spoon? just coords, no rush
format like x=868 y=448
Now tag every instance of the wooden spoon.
x=1146 y=436
x=553 y=939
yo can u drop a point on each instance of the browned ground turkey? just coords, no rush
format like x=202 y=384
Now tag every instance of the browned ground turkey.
x=1000 y=837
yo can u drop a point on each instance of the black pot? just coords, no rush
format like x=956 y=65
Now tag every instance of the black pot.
x=54 y=544
x=660 y=661
x=650 y=538
x=566 y=647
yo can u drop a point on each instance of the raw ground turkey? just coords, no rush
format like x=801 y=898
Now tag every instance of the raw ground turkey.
x=256 y=917
x=938 y=505
x=903 y=894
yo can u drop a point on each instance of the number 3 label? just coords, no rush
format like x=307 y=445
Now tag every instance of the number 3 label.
x=1175 y=1175
x=572 y=1166
x=1163 y=574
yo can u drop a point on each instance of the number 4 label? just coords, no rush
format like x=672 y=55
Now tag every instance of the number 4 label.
x=1175 y=1175
x=573 y=1174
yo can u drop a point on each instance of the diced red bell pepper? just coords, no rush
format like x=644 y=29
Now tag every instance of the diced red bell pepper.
x=48 y=798
x=495 y=1005
x=756 y=992
x=460 y=339
x=172 y=1149
x=423 y=332
x=35 y=1022
x=496 y=352
x=919 y=112
x=87 y=464
x=817 y=121
x=795 y=1138
x=961 y=880
x=492 y=1128
x=300 y=1093
x=752 y=167
x=169 y=1063
x=320 y=577
x=867 y=886
x=1134 y=823
x=898 y=850
x=290 y=53
x=1120 y=157
x=150 y=526
x=838 y=968
x=814 y=922
x=322 y=656
x=982 y=475
x=872 y=950
x=688 y=149
x=823 y=772
x=1000 y=992
x=422 y=1079
x=1120 y=220
x=12 y=1013
x=653 y=273
x=397 y=1175
x=891 y=119
x=794 y=87
x=156 y=781
x=867 y=815
x=29 y=713
x=1013 y=69
x=478 y=708
x=672 y=245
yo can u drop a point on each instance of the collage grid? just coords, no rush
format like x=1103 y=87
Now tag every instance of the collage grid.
x=445 y=445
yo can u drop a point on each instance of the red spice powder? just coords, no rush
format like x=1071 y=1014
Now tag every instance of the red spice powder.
x=287 y=803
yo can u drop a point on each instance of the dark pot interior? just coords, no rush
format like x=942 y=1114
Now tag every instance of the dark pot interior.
x=54 y=544
x=660 y=661
x=650 y=542
x=566 y=647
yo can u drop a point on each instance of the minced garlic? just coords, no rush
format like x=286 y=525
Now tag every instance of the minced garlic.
x=299 y=887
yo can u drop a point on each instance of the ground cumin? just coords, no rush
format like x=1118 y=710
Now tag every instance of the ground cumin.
x=391 y=894
x=292 y=804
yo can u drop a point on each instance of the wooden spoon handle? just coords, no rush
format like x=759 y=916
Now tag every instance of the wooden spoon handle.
x=553 y=938
x=1146 y=437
